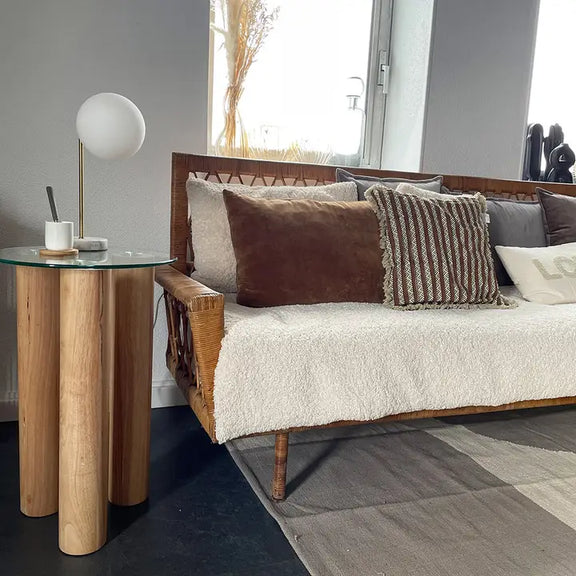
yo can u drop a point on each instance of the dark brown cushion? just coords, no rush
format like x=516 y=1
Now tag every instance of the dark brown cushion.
x=304 y=251
x=559 y=213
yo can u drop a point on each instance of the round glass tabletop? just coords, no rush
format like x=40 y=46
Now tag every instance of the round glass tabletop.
x=106 y=259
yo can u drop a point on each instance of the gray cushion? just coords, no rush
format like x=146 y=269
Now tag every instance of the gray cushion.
x=513 y=223
x=364 y=182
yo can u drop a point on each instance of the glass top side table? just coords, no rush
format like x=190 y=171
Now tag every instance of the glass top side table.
x=105 y=260
x=84 y=379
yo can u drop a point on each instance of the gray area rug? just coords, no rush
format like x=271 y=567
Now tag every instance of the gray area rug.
x=469 y=496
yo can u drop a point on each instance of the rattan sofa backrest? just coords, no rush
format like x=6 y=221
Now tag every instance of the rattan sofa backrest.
x=266 y=173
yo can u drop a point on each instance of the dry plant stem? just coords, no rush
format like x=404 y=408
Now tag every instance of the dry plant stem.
x=247 y=23
x=294 y=153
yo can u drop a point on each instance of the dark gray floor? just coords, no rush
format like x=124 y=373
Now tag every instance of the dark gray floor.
x=201 y=518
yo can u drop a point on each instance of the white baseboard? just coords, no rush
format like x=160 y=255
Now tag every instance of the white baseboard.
x=8 y=406
x=165 y=393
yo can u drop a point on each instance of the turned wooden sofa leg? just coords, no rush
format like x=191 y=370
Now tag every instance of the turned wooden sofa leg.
x=280 y=463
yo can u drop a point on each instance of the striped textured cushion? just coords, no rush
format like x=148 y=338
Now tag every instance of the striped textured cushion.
x=436 y=252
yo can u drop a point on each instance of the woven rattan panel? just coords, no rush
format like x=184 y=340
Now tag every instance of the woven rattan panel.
x=266 y=173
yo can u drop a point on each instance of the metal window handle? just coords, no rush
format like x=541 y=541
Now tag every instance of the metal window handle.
x=383 y=71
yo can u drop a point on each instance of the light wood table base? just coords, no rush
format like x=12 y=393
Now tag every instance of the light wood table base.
x=38 y=305
x=131 y=400
x=85 y=331
x=84 y=350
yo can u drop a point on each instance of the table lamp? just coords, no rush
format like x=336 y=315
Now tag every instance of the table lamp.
x=110 y=127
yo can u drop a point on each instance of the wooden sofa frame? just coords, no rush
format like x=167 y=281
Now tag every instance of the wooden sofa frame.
x=196 y=312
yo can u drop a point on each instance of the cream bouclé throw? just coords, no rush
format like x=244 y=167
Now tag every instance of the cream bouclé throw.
x=307 y=365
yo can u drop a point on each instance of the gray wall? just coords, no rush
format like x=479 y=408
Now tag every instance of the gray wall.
x=479 y=84
x=53 y=55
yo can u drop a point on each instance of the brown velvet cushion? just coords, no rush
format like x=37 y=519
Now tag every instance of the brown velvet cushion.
x=304 y=251
x=559 y=214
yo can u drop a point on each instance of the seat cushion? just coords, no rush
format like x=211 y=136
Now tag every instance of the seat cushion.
x=307 y=365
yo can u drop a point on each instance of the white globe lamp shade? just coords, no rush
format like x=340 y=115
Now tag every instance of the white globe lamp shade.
x=110 y=126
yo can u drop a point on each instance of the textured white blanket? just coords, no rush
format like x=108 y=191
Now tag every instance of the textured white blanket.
x=305 y=365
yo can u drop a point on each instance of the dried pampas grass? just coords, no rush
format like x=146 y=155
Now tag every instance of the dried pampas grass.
x=294 y=153
x=246 y=25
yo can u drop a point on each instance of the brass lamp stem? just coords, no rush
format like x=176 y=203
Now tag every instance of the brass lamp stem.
x=80 y=189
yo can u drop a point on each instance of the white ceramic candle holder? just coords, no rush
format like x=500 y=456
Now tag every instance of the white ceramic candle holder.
x=59 y=235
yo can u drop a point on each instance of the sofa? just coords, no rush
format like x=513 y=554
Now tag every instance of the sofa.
x=276 y=370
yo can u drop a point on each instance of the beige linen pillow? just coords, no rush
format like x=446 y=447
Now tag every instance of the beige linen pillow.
x=546 y=275
x=425 y=193
x=405 y=188
x=214 y=260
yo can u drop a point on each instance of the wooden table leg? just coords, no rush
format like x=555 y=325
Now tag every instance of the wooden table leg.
x=85 y=321
x=38 y=305
x=131 y=399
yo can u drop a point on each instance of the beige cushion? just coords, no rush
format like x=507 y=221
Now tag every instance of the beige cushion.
x=405 y=188
x=214 y=261
x=545 y=275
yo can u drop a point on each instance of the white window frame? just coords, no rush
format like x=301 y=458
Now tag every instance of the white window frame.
x=377 y=82
x=376 y=88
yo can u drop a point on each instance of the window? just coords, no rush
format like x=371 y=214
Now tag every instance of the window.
x=553 y=90
x=312 y=86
